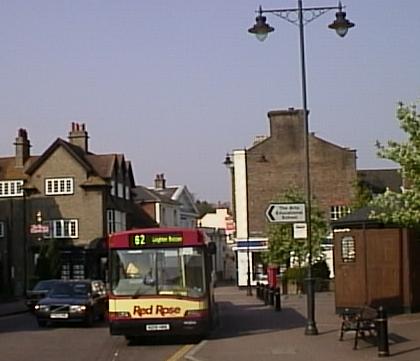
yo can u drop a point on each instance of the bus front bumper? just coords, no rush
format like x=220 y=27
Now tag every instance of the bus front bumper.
x=158 y=327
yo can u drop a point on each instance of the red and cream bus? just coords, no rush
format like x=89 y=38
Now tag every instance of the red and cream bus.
x=160 y=282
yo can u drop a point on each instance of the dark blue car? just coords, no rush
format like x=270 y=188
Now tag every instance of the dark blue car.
x=73 y=301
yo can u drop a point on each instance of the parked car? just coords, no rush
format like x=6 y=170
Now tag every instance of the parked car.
x=39 y=291
x=73 y=301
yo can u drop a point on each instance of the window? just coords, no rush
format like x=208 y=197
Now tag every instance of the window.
x=127 y=193
x=348 y=249
x=116 y=220
x=120 y=190
x=165 y=271
x=112 y=191
x=11 y=188
x=1 y=229
x=56 y=186
x=337 y=212
x=63 y=228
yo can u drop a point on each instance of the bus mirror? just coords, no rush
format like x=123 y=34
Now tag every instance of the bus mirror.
x=212 y=248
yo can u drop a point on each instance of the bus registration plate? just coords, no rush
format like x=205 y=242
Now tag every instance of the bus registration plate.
x=157 y=327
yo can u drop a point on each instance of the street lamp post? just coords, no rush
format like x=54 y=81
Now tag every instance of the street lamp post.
x=261 y=29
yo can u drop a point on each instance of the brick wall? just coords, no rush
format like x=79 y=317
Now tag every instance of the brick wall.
x=277 y=164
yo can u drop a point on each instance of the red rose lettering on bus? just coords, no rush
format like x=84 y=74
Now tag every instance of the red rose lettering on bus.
x=167 y=311
x=140 y=311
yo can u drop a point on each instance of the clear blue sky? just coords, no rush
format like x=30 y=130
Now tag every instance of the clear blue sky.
x=174 y=85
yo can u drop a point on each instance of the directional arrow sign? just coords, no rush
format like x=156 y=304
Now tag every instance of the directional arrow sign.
x=286 y=213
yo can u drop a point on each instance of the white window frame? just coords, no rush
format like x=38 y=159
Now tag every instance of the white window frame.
x=127 y=193
x=116 y=220
x=348 y=249
x=63 y=228
x=59 y=186
x=113 y=188
x=110 y=220
x=336 y=212
x=11 y=188
x=2 y=226
x=120 y=190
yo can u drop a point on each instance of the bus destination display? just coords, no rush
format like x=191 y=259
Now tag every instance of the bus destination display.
x=150 y=240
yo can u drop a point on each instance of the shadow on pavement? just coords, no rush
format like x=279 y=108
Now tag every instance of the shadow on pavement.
x=240 y=320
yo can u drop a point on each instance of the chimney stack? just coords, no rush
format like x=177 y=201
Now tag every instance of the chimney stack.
x=22 y=148
x=160 y=182
x=78 y=136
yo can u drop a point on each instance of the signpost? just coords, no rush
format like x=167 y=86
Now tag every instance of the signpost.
x=286 y=213
x=39 y=229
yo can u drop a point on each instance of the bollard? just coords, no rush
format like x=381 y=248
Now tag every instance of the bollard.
x=277 y=299
x=271 y=296
x=266 y=294
x=257 y=288
x=382 y=330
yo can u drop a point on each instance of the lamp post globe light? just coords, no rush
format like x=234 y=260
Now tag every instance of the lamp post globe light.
x=261 y=30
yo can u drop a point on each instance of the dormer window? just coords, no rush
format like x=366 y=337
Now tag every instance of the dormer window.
x=59 y=186
x=127 y=193
x=120 y=190
x=113 y=188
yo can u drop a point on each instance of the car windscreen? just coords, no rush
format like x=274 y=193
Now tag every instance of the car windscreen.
x=69 y=290
x=44 y=285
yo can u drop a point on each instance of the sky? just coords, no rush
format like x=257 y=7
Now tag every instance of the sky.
x=175 y=85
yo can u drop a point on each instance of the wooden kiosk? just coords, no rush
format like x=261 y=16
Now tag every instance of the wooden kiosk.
x=375 y=264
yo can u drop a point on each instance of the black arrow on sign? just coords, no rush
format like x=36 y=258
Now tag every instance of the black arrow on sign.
x=270 y=213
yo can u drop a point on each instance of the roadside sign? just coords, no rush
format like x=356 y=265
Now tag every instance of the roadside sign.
x=286 y=213
x=300 y=231
x=39 y=228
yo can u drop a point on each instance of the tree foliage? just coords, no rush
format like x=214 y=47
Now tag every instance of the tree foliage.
x=204 y=207
x=281 y=244
x=362 y=195
x=48 y=264
x=402 y=208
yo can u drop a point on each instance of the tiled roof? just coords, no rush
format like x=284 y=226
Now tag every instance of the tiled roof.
x=97 y=165
x=103 y=164
x=358 y=218
x=8 y=169
x=143 y=195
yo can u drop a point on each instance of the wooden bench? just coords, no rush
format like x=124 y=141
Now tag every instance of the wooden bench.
x=361 y=321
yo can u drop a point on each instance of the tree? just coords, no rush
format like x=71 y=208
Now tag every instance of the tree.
x=48 y=264
x=281 y=244
x=204 y=207
x=362 y=195
x=402 y=208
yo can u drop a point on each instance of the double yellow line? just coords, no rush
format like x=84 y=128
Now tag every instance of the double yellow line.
x=180 y=353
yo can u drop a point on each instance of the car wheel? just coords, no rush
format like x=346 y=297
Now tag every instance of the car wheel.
x=42 y=323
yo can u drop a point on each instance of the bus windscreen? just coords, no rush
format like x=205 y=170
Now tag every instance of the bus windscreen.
x=163 y=271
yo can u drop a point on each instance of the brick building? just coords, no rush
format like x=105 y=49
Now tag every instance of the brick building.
x=276 y=163
x=78 y=196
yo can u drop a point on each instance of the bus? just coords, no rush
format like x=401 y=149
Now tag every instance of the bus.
x=161 y=282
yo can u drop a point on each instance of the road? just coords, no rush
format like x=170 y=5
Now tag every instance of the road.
x=22 y=340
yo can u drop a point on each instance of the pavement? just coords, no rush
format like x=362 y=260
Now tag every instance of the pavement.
x=250 y=330
x=12 y=307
